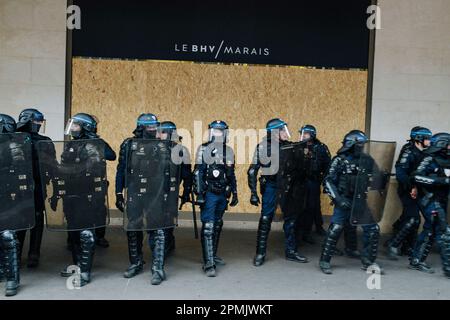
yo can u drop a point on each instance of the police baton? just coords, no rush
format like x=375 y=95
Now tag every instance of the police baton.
x=194 y=214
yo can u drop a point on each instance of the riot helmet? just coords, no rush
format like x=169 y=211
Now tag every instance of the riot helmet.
x=32 y=121
x=278 y=128
x=81 y=124
x=7 y=124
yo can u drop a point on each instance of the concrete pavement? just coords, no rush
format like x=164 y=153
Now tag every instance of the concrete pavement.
x=239 y=279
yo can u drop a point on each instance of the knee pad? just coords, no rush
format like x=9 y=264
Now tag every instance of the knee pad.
x=87 y=237
x=335 y=230
x=160 y=234
x=208 y=228
x=8 y=239
x=446 y=235
x=266 y=219
x=289 y=225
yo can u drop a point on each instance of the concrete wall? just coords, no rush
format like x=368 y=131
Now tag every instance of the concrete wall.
x=411 y=76
x=32 y=59
x=412 y=68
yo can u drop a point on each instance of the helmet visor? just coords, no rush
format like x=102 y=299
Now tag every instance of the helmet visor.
x=305 y=135
x=39 y=125
x=217 y=135
x=72 y=126
x=284 y=132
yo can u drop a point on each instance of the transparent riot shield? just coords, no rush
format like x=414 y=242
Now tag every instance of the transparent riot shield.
x=151 y=186
x=17 y=210
x=74 y=180
x=372 y=182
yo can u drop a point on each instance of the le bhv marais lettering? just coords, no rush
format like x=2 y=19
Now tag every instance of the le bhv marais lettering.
x=222 y=48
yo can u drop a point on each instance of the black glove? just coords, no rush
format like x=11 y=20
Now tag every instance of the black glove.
x=254 y=199
x=120 y=202
x=53 y=202
x=234 y=200
x=200 y=199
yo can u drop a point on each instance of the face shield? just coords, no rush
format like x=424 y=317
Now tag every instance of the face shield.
x=284 y=133
x=358 y=148
x=38 y=126
x=218 y=135
x=73 y=128
x=305 y=135
x=149 y=131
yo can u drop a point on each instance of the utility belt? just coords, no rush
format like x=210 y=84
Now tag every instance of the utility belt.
x=218 y=188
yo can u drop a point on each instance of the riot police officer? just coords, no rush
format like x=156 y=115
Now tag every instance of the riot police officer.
x=432 y=176
x=146 y=128
x=168 y=131
x=405 y=228
x=318 y=159
x=214 y=182
x=32 y=121
x=180 y=155
x=82 y=126
x=339 y=184
x=9 y=245
x=277 y=137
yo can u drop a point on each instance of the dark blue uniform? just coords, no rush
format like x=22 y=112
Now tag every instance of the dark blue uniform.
x=269 y=187
x=317 y=161
x=339 y=184
x=135 y=238
x=432 y=177
x=39 y=196
x=215 y=182
x=405 y=228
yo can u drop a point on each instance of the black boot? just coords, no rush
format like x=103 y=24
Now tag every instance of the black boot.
x=209 y=265
x=217 y=231
x=444 y=248
x=291 y=243
x=135 y=255
x=10 y=248
x=170 y=241
x=394 y=245
x=370 y=250
x=329 y=247
x=2 y=266
x=158 y=274
x=87 y=245
x=351 y=241
x=410 y=241
x=421 y=251
x=34 y=252
x=262 y=236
